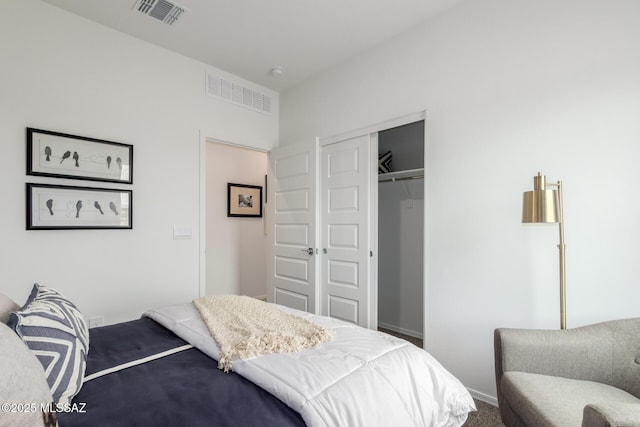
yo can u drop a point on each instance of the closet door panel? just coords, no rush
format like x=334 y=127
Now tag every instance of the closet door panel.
x=344 y=236
x=345 y=215
x=343 y=309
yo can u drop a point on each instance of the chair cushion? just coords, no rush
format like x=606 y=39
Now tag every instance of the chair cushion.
x=542 y=400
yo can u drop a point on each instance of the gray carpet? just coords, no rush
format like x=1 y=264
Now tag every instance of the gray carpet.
x=486 y=416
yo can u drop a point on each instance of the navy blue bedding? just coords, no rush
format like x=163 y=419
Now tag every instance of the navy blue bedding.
x=183 y=389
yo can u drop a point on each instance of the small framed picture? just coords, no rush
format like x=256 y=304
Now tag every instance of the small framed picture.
x=244 y=200
x=63 y=155
x=53 y=207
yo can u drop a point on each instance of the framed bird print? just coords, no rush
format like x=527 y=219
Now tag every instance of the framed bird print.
x=63 y=155
x=52 y=207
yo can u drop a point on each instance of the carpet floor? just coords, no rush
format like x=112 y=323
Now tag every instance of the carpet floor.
x=486 y=416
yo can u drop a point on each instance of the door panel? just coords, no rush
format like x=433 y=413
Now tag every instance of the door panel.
x=345 y=217
x=292 y=235
x=292 y=299
x=344 y=236
x=344 y=199
x=343 y=273
x=292 y=201
x=293 y=269
x=343 y=308
x=291 y=211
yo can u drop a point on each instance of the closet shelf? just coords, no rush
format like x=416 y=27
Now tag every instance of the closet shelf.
x=401 y=175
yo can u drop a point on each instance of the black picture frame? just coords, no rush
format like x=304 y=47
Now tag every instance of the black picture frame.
x=244 y=200
x=49 y=154
x=65 y=207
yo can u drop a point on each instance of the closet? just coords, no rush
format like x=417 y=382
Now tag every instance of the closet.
x=343 y=240
x=401 y=229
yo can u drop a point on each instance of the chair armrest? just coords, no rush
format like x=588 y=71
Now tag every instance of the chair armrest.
x=611 y=415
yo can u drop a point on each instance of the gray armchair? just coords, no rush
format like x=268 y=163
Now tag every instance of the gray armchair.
x=587 y=376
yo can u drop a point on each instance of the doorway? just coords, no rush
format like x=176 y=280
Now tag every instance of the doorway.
x=235 y=248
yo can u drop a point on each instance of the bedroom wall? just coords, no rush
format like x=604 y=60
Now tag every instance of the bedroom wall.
x=236 y=248
x=64 y=73
x=510 y=89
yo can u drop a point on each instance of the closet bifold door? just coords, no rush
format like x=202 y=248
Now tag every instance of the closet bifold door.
x=345 y=185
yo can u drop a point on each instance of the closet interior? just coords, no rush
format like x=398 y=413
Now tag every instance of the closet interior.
x=401 y=229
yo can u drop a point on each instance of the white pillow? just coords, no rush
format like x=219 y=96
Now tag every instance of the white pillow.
x=23 y=388
x=7 y=305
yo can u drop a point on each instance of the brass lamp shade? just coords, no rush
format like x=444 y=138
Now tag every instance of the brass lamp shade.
x=540 y=206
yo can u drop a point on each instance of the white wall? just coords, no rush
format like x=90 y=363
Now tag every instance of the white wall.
x=510 y=88
x=64 y=73
x=236 y=247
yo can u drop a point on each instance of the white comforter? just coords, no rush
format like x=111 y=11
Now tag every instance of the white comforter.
x=361 y=378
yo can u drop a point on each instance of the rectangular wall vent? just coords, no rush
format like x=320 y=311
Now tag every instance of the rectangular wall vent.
x=236 y=93
x=160 y=10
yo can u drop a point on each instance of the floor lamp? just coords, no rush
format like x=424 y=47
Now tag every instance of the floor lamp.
x=545 y=206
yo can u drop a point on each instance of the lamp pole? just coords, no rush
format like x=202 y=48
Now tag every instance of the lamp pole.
x=561 y=249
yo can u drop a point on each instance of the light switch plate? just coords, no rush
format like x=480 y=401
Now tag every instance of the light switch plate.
x=182 y=232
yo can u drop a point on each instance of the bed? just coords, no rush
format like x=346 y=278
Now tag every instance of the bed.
x=161 y=370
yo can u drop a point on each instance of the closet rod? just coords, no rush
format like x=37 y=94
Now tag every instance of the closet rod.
x=402 y=178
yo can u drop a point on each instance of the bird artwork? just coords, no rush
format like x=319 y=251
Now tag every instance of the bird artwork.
x=108 y=162
x=65 y=156
x=50 y=206
x=47 y=152
x=76 y=157
x=119 y=162
x=97 y=206
x=78 y=207
x=112 y=206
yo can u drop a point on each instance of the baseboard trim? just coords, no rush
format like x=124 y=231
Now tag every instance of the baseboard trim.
x=491 y=400
x=401 y=330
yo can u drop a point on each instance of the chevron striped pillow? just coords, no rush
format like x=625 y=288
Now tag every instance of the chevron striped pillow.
x=384 y=162
x=56 y=332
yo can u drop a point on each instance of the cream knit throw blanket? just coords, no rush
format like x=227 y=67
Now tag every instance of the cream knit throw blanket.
x=245 y=327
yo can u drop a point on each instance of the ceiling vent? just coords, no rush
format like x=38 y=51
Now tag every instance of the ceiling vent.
x=236 y=93
x=160 y=10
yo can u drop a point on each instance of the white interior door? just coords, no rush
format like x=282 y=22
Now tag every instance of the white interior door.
x=346 y=289
x=291 y=215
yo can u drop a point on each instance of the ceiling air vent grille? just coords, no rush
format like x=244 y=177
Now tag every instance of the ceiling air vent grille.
x=236 y=93
x=161 y=10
